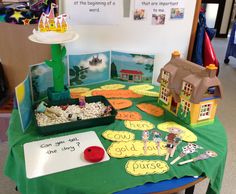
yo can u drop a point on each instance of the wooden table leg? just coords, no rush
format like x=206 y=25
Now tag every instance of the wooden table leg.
x=190 y=190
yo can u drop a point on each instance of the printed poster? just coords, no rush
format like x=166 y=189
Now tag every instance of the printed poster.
x=85 y=12
x=158 y=12
x=89 y=68
x=134 y=68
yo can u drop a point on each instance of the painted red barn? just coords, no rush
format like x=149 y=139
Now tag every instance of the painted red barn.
x=131 y=75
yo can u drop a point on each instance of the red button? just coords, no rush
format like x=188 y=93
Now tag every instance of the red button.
x=93 y=154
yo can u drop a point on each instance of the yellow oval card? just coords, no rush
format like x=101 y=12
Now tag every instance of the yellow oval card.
x=139 y=125
x=141 y=87
x=186 y=134
x=136 y=148
x=113 y=87
x=145 y=167
x=118 y=135
x=147 y=93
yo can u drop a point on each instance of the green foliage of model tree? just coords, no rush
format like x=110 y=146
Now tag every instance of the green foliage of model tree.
x=78 y=73
x=58 y=66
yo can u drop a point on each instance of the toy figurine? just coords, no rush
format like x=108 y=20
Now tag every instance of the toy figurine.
x=145 y=137
x=173 y=139
x=82 y=102
x=204 y=156
x=42 y=108
x=157 y=139
x=107 y=111
x=188 y=149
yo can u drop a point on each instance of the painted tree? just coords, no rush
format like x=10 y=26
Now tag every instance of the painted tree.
x=77 y=74
x=113 y=70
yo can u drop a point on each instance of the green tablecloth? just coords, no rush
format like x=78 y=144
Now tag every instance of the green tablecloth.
x=110 y=176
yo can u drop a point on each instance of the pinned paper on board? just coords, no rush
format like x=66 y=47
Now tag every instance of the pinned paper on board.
x=116 y=94
x=128 y=116
x=151 y=109
x=48 y=156
x=158 y=12
x=135 y=148
x=139 y=125
x=118 y=135
x=186 y=134
x=95 y=12
x=146 y=167
x=119 y=104
x=113 y=87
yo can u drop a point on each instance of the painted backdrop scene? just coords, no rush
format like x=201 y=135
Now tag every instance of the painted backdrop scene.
x=89 y=68
x=42 y=78
x=129 y=67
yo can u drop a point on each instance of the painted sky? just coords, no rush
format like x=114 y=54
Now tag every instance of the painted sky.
x=96 y=73
x=132 y=62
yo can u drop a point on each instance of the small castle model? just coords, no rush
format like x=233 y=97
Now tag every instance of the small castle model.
x=50 y=23
x=189 y=91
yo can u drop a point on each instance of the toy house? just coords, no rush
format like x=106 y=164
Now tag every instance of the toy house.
x=131 y=75
x=188 y=90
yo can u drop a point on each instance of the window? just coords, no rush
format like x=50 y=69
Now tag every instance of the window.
x=165 y=77
x=164 y=95
x=205 y=111
x=187 y=89
x=186 y=106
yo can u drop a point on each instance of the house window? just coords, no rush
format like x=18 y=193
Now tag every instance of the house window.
x=186 y=106
x=165 y=77
x=205 y=111
x=187 y=89
x=164 y=95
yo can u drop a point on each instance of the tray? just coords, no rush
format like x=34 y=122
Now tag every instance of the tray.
x=80 y=124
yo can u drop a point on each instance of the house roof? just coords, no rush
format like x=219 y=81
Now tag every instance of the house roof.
x=199 y=77
x=131 y=71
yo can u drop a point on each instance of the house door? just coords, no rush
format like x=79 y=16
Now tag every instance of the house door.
x=130 y=77
x=173 y=106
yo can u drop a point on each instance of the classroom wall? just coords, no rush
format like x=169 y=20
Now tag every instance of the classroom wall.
x=226 y=16
x=17 y=52
x=137 y=37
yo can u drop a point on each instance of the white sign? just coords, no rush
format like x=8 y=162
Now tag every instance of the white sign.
x=59 y=154
x=158 y=12
x=94 y=11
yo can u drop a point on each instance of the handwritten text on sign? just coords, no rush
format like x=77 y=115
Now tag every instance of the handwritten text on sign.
x=48 y=156
x=94 y=11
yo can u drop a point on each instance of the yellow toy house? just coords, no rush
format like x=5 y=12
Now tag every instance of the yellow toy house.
x=189 y=91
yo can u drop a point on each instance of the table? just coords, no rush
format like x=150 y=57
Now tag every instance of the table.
x=110 y=176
